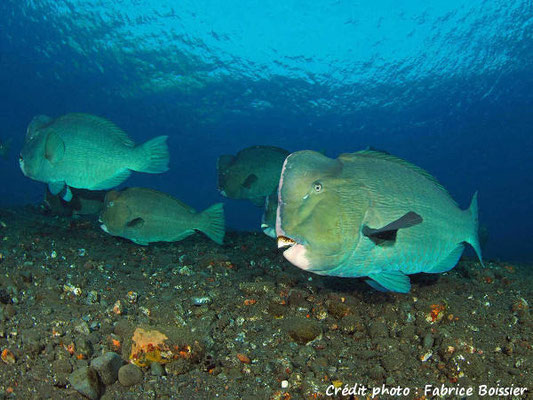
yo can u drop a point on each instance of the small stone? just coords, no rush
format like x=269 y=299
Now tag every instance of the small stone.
x=257 y=288
x=9 y=311
x=377 y=373
x=5 y=298
x=392 y=361
x=157 y=369
x=107 y=366
x=61 y=367
x=303 y=331
x=122 y=328
x=32 y=341
x=85 y=381
x=26 y=276
x=338 y=310
x=85 y=347
x=201 y=300
x=92 y=297
x=132 y=297
x=178 y=367
x=118 y=308
x=378 y=329
x=82 y=328
x=129 y=375
x=428 y=341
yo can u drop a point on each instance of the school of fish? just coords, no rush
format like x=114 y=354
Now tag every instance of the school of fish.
x=364 y=214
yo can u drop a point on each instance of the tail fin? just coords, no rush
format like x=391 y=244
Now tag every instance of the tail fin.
x=212 y=223
x=473 y=238
x=153 y=156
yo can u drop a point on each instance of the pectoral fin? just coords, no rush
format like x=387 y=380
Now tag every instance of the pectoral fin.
x=389 y=231
x=54 y=148
x=56 y=187
x=135 y=223
x=249 y=181
x=394 y=281
x=66 y=194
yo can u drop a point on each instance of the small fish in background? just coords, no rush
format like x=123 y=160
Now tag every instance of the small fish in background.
x=252 y=174
x=83 y=202
x=370 y=214
x=86 y=152
x=5 y=146
x=146 y=215
x=268 y=220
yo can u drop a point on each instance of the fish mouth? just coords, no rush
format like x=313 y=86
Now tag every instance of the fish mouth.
x=295 y=252
x=285 y=242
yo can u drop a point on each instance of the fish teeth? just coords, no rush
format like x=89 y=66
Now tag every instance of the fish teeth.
x=284 y=241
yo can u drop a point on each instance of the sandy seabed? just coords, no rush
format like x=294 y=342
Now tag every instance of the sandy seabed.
x=243 y=323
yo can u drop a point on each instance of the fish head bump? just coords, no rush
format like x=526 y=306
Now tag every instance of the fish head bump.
x=307 y=218
x=32 y=160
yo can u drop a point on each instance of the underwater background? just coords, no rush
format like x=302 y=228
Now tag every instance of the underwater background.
x=447 y=86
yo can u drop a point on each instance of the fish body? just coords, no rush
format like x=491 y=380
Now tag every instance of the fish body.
x=86 y=152
x=369 y=214
x=83 y=202
x=145 y=216
x=252 y=174
x=268 y=220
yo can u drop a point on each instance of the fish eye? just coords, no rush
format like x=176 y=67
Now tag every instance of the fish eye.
x=317 y=186
x=21 y=158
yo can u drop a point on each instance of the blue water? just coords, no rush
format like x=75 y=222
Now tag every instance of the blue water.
x=448 y=86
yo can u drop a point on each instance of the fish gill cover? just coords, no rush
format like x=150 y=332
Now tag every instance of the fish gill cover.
x=448 y=86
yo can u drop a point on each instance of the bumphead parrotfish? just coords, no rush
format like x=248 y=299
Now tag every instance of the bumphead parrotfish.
x=146 y=215
x=86 y=152
x=370 y=214
x=252 y=174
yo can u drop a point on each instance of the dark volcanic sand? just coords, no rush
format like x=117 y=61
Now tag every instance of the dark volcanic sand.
x=61 y=278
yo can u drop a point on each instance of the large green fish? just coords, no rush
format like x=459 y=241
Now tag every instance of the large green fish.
x=86 y=152
x=252 y=174
x=145 y=215
x=369 y=214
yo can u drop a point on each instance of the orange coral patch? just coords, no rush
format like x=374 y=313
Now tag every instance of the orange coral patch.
x=149 y=346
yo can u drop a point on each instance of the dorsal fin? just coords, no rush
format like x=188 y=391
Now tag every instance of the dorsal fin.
x=393 y=159
x=100 y=123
